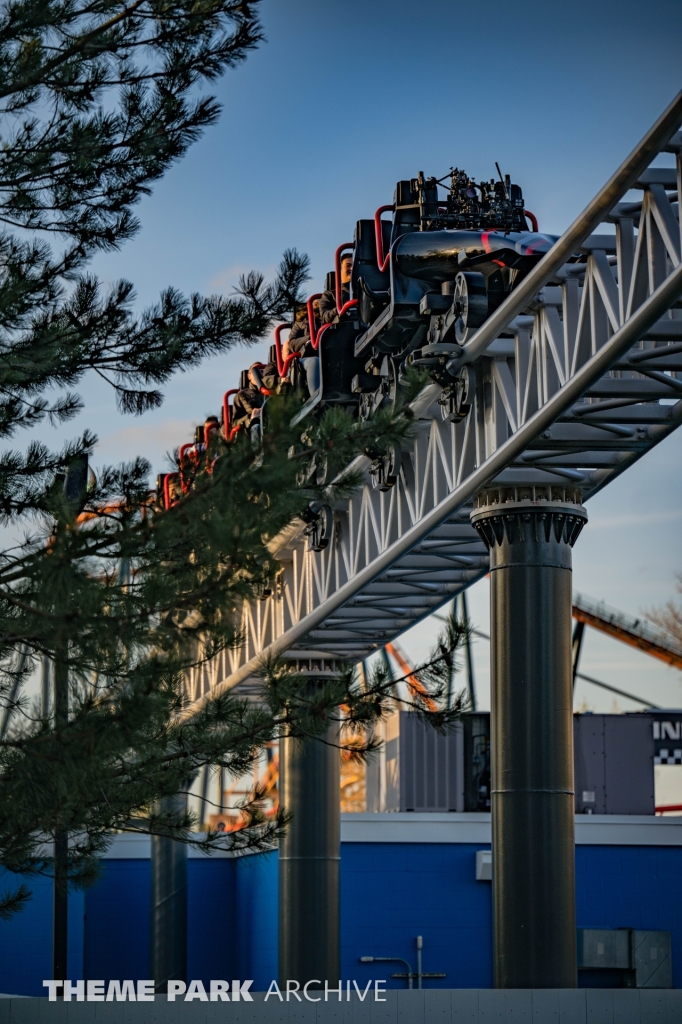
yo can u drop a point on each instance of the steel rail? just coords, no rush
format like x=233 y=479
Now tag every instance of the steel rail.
x=572 y=239
x=614 y=689
x=657 y=649
x=631 y=332
x=579 y=675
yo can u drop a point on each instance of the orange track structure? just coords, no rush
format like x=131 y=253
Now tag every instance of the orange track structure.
x=412 y=681
x=630 y=631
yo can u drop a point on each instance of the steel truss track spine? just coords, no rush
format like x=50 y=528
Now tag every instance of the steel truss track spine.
x=562 y=400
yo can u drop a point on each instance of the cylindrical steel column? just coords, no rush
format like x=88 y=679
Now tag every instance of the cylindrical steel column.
x=309 y=858
x=530 y=533
x=168 y=926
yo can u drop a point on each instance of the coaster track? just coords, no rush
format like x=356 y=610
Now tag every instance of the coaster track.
x=575 y=376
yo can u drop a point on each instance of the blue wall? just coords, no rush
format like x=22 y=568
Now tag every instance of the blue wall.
x=390 y=893
x=255 y=918
x=117 y=922
x=632 y=887
x=211 y=918
x=26 y=939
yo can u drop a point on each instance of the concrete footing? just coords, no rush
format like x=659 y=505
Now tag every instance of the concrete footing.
x=438 y=1006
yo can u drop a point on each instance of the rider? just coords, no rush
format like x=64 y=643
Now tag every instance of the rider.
x=299 y=335
x=211 y=430
x=248 y=402
x=328 y=310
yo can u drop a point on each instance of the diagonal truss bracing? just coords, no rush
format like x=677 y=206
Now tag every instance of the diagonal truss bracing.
x=577 y=375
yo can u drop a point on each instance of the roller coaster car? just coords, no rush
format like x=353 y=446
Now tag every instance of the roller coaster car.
x=420 y=286
x=331 y=372
x=449 y=263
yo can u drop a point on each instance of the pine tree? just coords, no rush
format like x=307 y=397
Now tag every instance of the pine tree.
x=119 y=596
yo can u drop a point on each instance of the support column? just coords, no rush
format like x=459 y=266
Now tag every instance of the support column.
x=530 y=533
x=309 y=860
x=168 y=926
x=60 y=893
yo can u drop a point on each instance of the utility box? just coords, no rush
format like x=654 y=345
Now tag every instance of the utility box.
x=607 y=948
x=652 y=959
x=614 y=764
x=624 y=958
x=484 y=865
x=417 y=769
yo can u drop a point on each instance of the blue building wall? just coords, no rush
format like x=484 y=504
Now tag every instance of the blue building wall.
x=390 y=893
x=117 y=922
x=211 y=919
x=632 y=887
x=255 y=918
x=26 y=939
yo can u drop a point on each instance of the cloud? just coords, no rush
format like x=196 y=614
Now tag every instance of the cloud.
x=595 y=665
x=151 y=442
x=635 y=519
x=225 y=281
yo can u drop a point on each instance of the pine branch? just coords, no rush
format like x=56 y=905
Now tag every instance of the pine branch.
x=13 y=901
x=100 y=98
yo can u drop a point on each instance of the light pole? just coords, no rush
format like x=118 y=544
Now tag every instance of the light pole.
x=398 y=959
x=390 y=960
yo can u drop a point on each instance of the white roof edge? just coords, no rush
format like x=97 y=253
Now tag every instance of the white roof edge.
x=437 y=827
x=138 y=847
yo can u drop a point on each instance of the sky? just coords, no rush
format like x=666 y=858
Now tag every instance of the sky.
x=345 y=98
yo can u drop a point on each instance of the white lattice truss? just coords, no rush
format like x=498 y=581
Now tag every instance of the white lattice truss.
x=576 y=377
